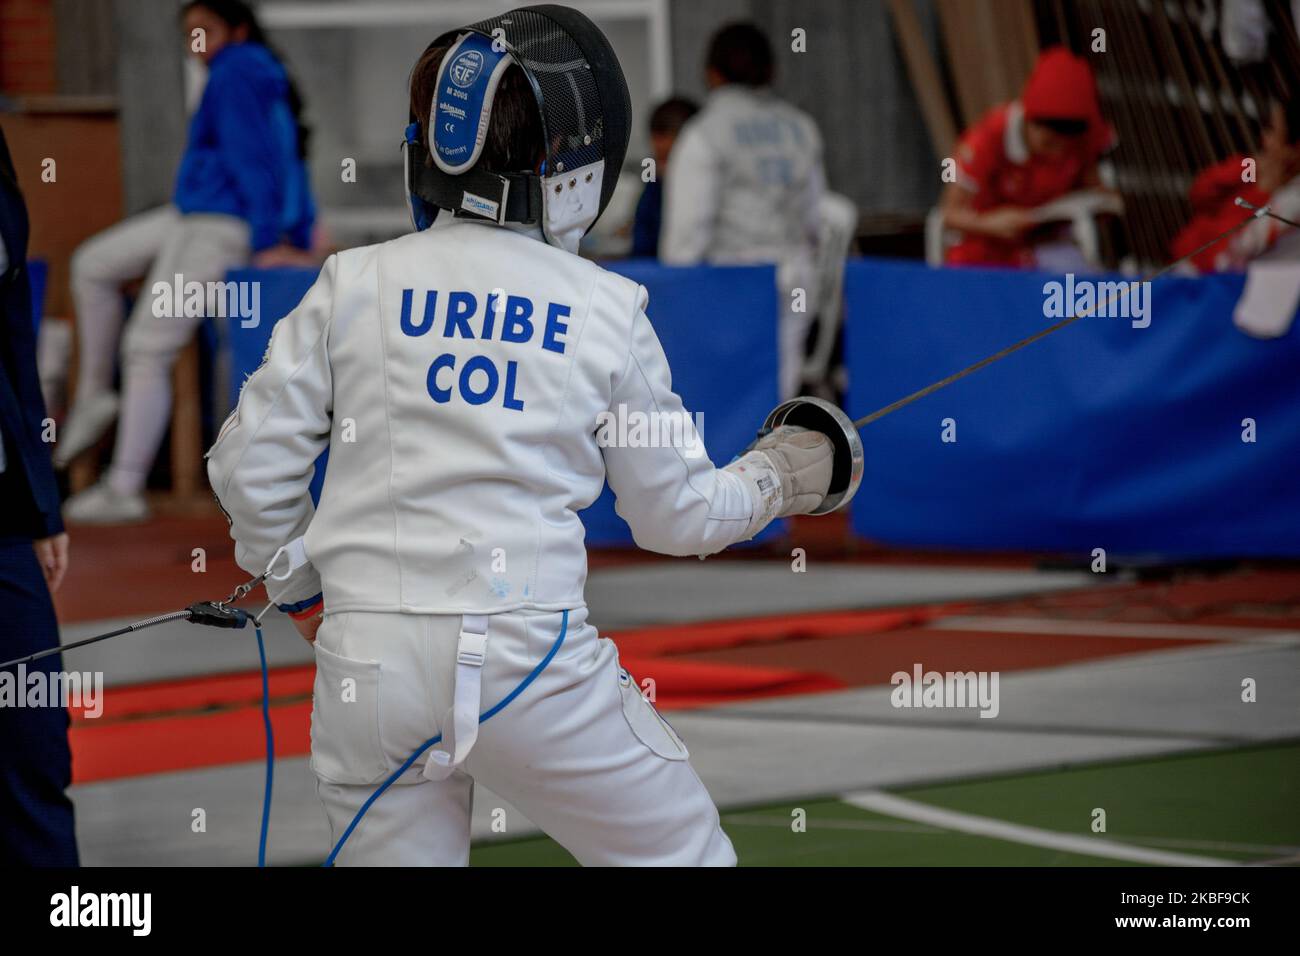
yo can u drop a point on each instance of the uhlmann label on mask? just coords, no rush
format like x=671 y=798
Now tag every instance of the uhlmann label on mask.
x=75 y=908
x=480 y=206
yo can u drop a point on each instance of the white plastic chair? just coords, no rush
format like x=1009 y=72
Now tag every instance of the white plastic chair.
x=839 y=218
x=1080 y=209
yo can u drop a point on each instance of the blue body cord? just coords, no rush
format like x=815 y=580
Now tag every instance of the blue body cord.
x=270 y=748
x=396 y=774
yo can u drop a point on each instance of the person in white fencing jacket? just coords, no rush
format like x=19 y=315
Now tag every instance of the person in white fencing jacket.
x=747 y=186
x=458 y=376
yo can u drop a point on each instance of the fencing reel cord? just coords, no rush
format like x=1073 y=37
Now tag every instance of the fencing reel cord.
x=270 y=746
x=213 y=614
x=223 y=614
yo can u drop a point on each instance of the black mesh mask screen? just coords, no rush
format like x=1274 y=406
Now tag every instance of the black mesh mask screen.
x=580 y=87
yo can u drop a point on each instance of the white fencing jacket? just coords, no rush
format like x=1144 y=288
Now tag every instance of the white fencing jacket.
x=744 y=185
x=458 y=377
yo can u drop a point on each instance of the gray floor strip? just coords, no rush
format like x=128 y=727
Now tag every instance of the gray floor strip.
x=149 y=821
x=618 y=597
x=792 y=749
x=1183 y=693
x=998 y=726
x=1043 y=626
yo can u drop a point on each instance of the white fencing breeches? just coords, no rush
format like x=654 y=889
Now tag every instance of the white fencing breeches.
x=579 y=751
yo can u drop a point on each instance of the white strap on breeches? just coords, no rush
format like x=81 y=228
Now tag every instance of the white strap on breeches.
x=460 y=727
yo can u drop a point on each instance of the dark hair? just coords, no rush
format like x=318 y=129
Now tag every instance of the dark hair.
x=1066 y=127
x=741 y=53
x=236 y=14
x=515 y=140
x=1291 y=116
x=671 y=115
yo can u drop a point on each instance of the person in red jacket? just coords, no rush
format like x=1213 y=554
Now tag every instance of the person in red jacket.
x=1021 y=155
x=1271 y=177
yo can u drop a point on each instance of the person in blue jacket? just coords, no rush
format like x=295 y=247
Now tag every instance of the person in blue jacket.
x=241 y=195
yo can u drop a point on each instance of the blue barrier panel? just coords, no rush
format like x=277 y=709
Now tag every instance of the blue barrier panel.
x=279 y=292
x=717 y=326
x=1100 y=436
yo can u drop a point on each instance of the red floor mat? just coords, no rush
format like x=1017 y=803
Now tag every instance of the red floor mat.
x=131 y=748
x=216 y=720
x=206 y=722
x=116 y=745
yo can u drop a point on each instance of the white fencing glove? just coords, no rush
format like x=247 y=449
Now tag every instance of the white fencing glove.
x=788 y=472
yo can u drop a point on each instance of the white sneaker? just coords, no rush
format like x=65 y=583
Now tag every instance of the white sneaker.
x=100 y=504
x=90 y=418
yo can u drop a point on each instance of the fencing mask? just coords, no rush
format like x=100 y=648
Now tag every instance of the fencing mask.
x=586 y=120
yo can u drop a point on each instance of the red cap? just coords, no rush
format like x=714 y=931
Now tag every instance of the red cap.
x=1061 y=86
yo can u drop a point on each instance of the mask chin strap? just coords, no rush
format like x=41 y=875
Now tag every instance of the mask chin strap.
x=565 y=205
x=477 y=194
x=572 y=201
x=422 y=212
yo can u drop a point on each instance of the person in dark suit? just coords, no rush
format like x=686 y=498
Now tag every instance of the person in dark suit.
x=36 y=827
x=666 y=122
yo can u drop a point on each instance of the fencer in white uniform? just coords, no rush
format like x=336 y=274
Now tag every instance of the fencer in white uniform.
x=456 y=376
x=747 y=187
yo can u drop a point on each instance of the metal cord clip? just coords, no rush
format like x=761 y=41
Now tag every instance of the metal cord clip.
x=242 y=591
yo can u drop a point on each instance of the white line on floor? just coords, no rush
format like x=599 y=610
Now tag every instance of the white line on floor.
x=890 y=805
x=1226 y=845
x=1176 y=843
x=1182 y=632
x=783 y=823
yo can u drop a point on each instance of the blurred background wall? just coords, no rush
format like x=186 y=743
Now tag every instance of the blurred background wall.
x=122 y=61
x=104 y=84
